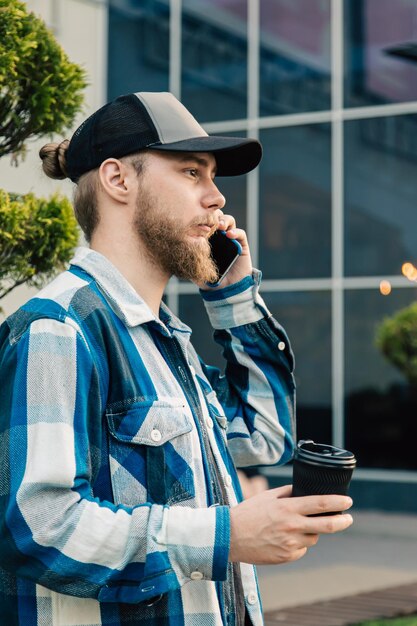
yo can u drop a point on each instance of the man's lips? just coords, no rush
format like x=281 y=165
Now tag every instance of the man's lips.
x=204 y=229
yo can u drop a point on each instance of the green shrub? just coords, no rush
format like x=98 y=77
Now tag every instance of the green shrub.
x=40 y=89
x=397 y=339
x=37 y=237
x=41 y=92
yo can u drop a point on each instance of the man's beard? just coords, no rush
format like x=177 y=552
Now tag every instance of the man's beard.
x=167 y=245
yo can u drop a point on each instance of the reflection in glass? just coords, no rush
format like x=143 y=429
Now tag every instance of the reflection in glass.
x=295 y=202
x=306 y=316
x=375 y=32
x=138 y=51
x=380 y=195
x=294 y=56
x=214 y=59
x=381 y=407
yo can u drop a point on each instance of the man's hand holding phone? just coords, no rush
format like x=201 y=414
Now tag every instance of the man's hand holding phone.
x=230 y=251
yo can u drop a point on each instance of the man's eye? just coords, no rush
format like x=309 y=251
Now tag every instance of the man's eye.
x=193 y=172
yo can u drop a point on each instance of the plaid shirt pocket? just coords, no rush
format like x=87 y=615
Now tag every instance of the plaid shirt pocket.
x=151 y=453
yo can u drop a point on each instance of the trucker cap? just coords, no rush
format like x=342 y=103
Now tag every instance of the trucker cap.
x=153 y=121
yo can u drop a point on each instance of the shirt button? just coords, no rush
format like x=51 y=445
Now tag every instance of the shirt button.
x=196 y=575
x=209 y=422
x=156 y=435
x=228 y=480
x=252 y=598
x=281 y=345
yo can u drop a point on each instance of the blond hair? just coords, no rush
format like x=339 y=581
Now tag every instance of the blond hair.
x=85 y=203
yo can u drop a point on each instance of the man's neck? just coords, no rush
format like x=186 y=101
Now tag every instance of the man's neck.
x=148 y=280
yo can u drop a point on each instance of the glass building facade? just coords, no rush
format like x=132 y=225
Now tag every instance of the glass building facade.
x=330 y=89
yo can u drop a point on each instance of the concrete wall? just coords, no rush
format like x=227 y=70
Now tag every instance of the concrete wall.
x=81 y=28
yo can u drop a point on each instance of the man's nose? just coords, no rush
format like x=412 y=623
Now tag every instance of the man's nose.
x=214 y=199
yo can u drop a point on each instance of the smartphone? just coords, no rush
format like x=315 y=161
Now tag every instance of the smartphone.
x=224 y=252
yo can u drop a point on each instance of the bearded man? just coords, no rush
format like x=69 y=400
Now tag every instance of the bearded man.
x=120 y=500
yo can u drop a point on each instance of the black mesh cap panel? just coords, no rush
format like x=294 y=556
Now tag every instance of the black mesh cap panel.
x=117 y=129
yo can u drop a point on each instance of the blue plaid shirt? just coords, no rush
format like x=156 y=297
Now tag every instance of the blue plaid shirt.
x=114 y=438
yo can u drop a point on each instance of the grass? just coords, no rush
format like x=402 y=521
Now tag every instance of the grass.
x=399 y=621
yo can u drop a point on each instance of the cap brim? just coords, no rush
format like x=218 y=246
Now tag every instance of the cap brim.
x=234 y=155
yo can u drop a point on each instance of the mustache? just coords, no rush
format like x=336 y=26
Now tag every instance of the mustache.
x=211 y=223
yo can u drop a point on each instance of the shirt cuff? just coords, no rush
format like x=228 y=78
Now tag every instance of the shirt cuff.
x=197 y=541
x=236 y=304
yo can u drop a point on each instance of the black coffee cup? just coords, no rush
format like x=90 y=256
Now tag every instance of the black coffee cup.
x=320 y=469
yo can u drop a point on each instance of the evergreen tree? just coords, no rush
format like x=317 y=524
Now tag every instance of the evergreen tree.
x=41 y=92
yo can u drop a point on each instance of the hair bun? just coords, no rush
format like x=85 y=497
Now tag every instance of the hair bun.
x=53 y=157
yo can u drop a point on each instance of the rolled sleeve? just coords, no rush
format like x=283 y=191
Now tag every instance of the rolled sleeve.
x=237 y=304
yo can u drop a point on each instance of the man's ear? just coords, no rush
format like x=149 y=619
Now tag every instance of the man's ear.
x=116 y=180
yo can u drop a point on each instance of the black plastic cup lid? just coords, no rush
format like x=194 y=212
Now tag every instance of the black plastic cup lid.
x=323 y=454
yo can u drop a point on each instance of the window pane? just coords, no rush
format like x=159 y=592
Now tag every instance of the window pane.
x=381 y=408
x=295 y=202
x=378 y=34
x=380 y=195
x=294 y=56
x=214 y=59
x=138 y=53
x=306 y=316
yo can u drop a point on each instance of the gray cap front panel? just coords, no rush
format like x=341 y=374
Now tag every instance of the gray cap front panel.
x=172 y=120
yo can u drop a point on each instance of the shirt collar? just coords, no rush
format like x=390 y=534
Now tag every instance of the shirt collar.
x=121 y=296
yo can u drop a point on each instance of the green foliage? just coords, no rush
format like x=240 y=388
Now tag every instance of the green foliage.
x=37 y=237
x=397 y=339
x=40 y=89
